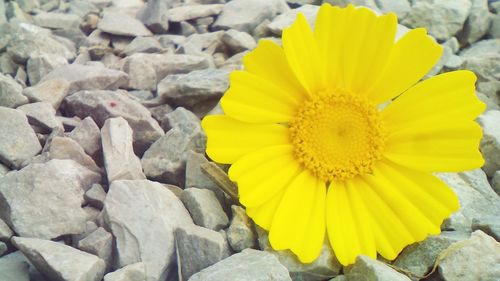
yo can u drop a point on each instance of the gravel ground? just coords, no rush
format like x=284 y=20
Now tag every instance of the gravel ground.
x=101 y=147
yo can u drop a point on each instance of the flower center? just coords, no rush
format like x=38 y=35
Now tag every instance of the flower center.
x=337 y=136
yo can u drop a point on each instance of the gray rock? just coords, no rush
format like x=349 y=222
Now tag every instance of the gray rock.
x=241 y=234
x=399 y=7
x=366 y=268
x=478 y=23
x=143 y=45
x=66 y=148
x=442 y=18
x=11 y=92
x=41 y=115
x=477 y=258
x=155 y=16
x=7 y=64
x=190 y=12
x=18 y=142
x=3 y=170
x=3 y=18
x=204 y=208
x=495 y=182
x=3 y=248
x=249 y=265
x=101 y=105
x=198 y=248
x=195 y=177
x=132 y=272
x=15 y=12
x=142 y=75
x=57 y=261
x=165 y=160
x=96 y=196
x=39 y=66
x=28 y=5
x=24 y=196
x=19 y=257
x=494 y=31
x=194 y=88
x=118 y=23
x=56 y=20
x=184 y=120
x=5 y=231
x=238 y=41
x=85 y=77
x=490 y=144
x=117 y=145
x=488 y=224
x=52 y=91
x=419 y=258
x=14 y=270
x=131 y=203
x=98 y=243
x=286 y=19
x=87 y=135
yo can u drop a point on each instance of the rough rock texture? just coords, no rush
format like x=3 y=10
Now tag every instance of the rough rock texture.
x=204 y=208
x=155 y=15
x=132 y=272
x=39 y=66
x=241 y=234
x=66 y=148
x=98 y=243
x=52 y=91
x=87 y=135
x=42 y=115
x=370 y=269
x=118 y=23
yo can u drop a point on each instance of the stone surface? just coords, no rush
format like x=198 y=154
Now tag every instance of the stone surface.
x=195 y=177
x=494 y=31
x=489 y=225
x=117 y=145
x=477 y=258
x=5 y=231
x=39 y=66
x=128 y=205
x=56 y=20
x=238 y=41
x=24 y=196
x=143 y=45
x=14 y=270
x=98 y=243
x=101 y=105
x=366 y=268
x=495 y=182
x=478 y=23
x=11 y=92
x=87 y=135
x=286 y=19
x=490 y=143
x=249 y=265
x=241 y=234
x=3 y=248
x=204 y=208
x=198 y=248
x=85 y=77
x=184 y=13
x=41 y=115
x=52 y=91
x=118 y=23
x=18 y=142
x=96 y=196
x=132 y=272
x=155 y=16
x=399 y=7
x=66 y=148
x=59 y=262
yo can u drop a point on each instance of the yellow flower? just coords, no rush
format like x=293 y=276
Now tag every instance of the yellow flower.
x=314 y=152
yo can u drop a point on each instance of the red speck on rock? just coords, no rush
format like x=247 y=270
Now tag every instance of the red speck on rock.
x=112 y=103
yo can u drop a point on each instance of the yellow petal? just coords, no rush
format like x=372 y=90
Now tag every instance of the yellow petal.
x=355 y=45
x=299 y=222
x=302 y=54
x=229 y=139
x=411 y=58
x=263 y=215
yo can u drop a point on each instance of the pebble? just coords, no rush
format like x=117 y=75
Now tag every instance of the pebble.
x=241 y=234
x=495 y=182
x=118 y=23
x=204 y=208
x=489 y=225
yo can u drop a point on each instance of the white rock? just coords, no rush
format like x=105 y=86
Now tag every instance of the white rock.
x=490 y=144
x=189 y=12
x=96 y=196
x=99 y=243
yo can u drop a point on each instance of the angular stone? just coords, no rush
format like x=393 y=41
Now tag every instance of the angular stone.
x=11 y=92
x=57 y=261
x=96 y=196
x=87 y=135
x=52 y=91
x=56 y=20
x=490 y=143
x=202 y=44
x=198 y=248
x=41 y=115
x=370 y=269
x=66 y=148
x=3 y=248
x=195 y=177
x=238 y=41
x=495 y=182
x=5 y=231
x=118 y=23
x=14 y=270
x=129 y=204
x=39 y=66
x=24 y=195
x=399 y=7
x=245 y=15
x=204 y=208
x=249 y=265
x=18 y=142
x=132 y=272
x=184 y=120
x=101 y=105
x=477 y=258
x=190 y=12
x=143 y=45
x=478 y=22
x=85 y=77
x=98 y=243
x=241 y=234
x=117 y=145
x=286 y=19
x=155 y=16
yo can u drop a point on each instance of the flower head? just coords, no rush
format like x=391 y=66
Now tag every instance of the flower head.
x=313 y=151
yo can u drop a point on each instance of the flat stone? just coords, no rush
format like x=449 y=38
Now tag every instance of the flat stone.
x=118 y=23
x=85 y=77
x=101 y=105
x=132 y=272
x=39 y=66
x=366 y=268
x=478 y=23
x=18 y=142
x=190 y=12
x=204 y=208
x=195 y=87
x=249 y=265
x=238 y=41
x=286 y=19
x=98 y=243
x=52 y=91
x=241 y=234
x=66 y=148
x=477 y=258
x=442 y=19
x=143 y=45
x=96 y=196
x=5 y=231
x=14 y=270
x=57 y=261
x=24 y=195
x=199 y=248
x=155 y=16
x=490 y=143
x=41 y=115
x=119 y=158
x=56 y=20
x=88 y=135
x=11 y=92
x=245 y=15
x=142 y=216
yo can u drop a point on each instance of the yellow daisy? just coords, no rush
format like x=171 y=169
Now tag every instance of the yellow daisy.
x=314 y=152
